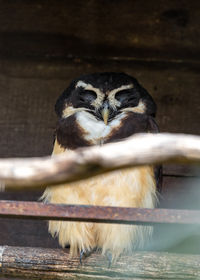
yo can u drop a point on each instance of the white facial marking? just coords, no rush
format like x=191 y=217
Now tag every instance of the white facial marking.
x=112 y=93
x=96 y=130
x=100 y=95
x=140 y=108
x=70 y=110
x=81 y=84
x=121 y=88
x=88 y=87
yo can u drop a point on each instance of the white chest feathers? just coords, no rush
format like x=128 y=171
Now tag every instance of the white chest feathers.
x=96 y=131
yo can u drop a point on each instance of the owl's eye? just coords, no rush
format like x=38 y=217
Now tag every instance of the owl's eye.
x=125 y=96
x=87 y=96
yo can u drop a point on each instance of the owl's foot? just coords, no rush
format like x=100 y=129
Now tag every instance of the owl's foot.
x=85 y=253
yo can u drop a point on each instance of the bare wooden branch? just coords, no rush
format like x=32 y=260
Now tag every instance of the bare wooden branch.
x=138 y=150
x=39 y=263
x=97 y=214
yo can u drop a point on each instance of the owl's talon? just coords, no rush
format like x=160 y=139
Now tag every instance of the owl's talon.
x=109 y=258
x=81 y=256
x=85 y=253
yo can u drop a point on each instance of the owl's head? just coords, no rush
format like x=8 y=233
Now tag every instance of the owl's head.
x=105 y=95
x=103 y=106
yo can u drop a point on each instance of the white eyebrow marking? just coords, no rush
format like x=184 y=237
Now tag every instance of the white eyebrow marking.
x=81 y=84
x=140 y=108
x=114 y=102
x=114 y=91
x=100 y=95
x=87 y=87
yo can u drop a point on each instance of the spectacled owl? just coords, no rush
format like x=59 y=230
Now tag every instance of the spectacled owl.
x=94 y=110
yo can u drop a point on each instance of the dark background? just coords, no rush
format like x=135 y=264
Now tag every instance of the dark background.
x=44 y=44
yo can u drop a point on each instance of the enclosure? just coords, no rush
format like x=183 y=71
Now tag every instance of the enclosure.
x=45 y=44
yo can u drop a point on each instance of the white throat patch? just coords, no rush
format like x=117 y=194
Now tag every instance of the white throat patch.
x=96 y=131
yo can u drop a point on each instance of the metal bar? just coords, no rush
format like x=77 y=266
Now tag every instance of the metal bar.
x=97 y=214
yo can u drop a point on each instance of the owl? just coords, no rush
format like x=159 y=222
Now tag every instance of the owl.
x=97 y=109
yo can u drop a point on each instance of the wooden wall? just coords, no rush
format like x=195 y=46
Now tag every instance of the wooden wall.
x=45 y=44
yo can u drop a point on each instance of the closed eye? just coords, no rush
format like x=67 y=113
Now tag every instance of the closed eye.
x=126 y=96
x=87 y=96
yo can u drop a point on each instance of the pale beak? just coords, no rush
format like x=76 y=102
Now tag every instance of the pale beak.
x=105 y=113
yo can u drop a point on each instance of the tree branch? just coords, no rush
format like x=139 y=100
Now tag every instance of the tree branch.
x=141 y=149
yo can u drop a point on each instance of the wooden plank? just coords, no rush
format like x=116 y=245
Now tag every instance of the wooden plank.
x=40 y=263
x=166 y=30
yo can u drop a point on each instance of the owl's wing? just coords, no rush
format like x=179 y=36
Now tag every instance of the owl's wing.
x=153 y=128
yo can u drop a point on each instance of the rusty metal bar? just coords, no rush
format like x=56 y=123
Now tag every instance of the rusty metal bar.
x=98 y=214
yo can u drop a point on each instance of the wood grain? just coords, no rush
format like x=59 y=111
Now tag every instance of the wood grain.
x=38 y=263
x=167 y=30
